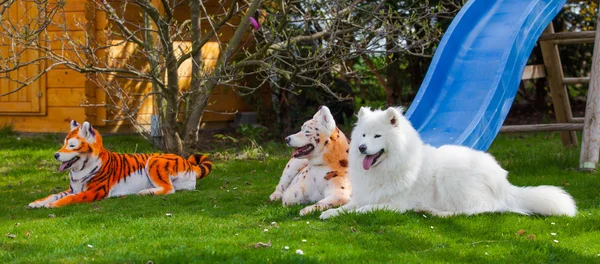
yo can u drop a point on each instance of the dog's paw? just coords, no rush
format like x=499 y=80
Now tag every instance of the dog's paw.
x=329 y=214
x=276 y=196
x=36 y=204
x=307 y=210
x=50 y=205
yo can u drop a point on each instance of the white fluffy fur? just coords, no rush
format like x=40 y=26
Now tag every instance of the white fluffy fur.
x=444 y=181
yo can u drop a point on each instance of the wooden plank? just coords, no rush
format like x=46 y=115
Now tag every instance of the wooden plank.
x=574 y=41
x=64 y=78
x=73 y=97
x=56 y=120
x=542 y=128
x=71 y=5
x=534 y=72
x=58 y=39
x=68 y=21
x=590 y=147
x=567 y=35
x=560 y=99
x=576 y=80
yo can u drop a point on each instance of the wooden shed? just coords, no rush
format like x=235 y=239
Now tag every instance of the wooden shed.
x=48 y=104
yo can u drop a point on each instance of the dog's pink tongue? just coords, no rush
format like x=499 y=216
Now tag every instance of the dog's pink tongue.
x=62 y=166
x=368 y=161
x=296 y=151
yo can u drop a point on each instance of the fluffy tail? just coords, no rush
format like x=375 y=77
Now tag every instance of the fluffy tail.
x=203 y=164
x=544 y=200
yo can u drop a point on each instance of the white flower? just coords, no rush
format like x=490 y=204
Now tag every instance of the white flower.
x=266 y=230
x=304 y=240
x=555 y=241
x=90 y=246
x=552 y=223
x=286 y=247
x=299 y=252
x=553 y=234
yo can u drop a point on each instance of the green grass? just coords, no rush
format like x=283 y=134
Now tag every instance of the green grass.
x=227 y=215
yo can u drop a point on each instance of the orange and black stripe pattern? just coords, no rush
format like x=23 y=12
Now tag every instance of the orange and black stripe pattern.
x=161 y=169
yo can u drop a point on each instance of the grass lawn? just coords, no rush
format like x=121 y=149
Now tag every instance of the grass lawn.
x=229 y=214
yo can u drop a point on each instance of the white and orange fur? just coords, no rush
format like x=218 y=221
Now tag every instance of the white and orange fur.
x=97 y=173
x=317 y=171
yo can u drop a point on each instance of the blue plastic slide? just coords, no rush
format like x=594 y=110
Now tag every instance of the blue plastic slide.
x=476 y=70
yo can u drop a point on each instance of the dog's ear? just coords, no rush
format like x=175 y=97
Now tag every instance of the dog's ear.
x=362 y=112
x=87 y=131
x=325 y=118
x=392 y=116
x=74 y=124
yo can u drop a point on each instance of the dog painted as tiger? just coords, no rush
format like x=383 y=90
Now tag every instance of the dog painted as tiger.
x=97 y=173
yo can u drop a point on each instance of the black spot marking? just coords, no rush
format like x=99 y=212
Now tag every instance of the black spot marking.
x=317 y=140
x=344 y=163
x=343 y=187
x=326 y=142
x=331 y=174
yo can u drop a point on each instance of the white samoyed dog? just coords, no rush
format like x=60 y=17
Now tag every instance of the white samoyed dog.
x=391 y=168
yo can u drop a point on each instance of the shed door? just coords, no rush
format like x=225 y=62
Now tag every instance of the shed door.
x=29 y=98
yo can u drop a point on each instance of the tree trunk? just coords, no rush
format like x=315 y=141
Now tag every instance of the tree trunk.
x=192 y=123
x=171 y=109
x=198 y=96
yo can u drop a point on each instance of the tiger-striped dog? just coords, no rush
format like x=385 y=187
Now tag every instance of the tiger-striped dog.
x=317 y=170
x=97 y=173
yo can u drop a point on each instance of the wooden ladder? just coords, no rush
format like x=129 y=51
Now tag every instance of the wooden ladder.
x=565 y=122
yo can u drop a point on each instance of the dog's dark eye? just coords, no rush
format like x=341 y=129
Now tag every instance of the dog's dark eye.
x=363 y=135
x=377 y=136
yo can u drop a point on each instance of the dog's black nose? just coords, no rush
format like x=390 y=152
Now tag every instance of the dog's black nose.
x=362 y=148
x=287 y=140
x=56 y=155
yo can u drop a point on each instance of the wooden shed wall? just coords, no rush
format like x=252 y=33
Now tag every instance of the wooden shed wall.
x=68 y=95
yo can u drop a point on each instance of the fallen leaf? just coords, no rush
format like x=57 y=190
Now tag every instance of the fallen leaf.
x=17 y=224
x=10 y=235
x=532 y=237
x=28 y=234
x=352 y=229
x=261 y=244
x=521 y=232
x=564 y=183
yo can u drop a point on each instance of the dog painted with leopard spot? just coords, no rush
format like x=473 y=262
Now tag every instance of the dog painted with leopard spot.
x=317 y=171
